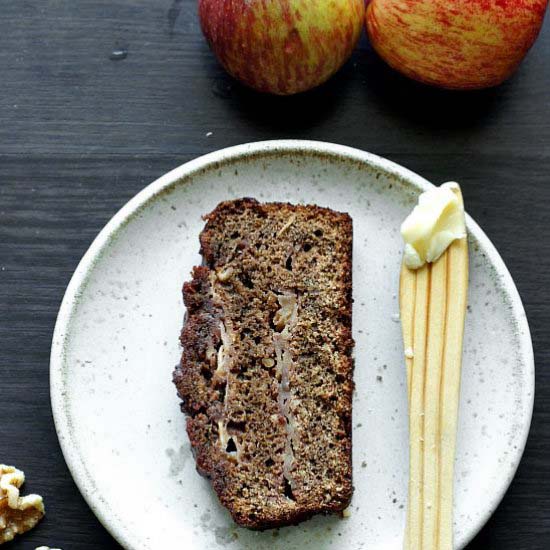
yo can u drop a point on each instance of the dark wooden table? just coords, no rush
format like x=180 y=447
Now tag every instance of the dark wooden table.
x=81 y=133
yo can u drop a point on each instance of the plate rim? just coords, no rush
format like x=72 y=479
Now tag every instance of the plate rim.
x=80 y=474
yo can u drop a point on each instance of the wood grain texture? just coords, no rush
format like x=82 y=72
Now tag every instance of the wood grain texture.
x=80 y=134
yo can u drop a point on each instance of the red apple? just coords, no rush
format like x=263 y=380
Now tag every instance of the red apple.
x=282 y=46
x=457 y=44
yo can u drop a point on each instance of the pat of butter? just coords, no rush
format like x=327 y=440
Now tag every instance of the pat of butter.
x=433 y=225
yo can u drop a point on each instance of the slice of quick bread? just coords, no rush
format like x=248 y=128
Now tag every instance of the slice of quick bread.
x=266 y=375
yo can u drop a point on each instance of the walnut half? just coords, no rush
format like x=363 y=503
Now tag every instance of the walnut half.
x=17 y=514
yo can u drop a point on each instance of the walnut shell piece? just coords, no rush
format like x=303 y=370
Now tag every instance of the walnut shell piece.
x=18 y=514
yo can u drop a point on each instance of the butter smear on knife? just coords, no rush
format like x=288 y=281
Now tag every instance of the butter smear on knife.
x=433 y=225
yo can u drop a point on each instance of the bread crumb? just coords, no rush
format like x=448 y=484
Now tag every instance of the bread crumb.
x=409 y=353
x=346 y=513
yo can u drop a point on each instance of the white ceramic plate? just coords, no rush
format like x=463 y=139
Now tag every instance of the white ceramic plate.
x=116 y=344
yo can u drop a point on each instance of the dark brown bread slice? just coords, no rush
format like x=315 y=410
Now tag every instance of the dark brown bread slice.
x=266 y=375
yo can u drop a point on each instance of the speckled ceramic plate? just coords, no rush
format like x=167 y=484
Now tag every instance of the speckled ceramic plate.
x=116 y=344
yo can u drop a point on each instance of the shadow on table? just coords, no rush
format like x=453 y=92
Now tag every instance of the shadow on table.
x=379 y=96
x=290 y=114
x=433 y=108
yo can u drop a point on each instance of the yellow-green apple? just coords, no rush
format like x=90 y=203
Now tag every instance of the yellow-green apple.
x=282 y=46
x=457 y=44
